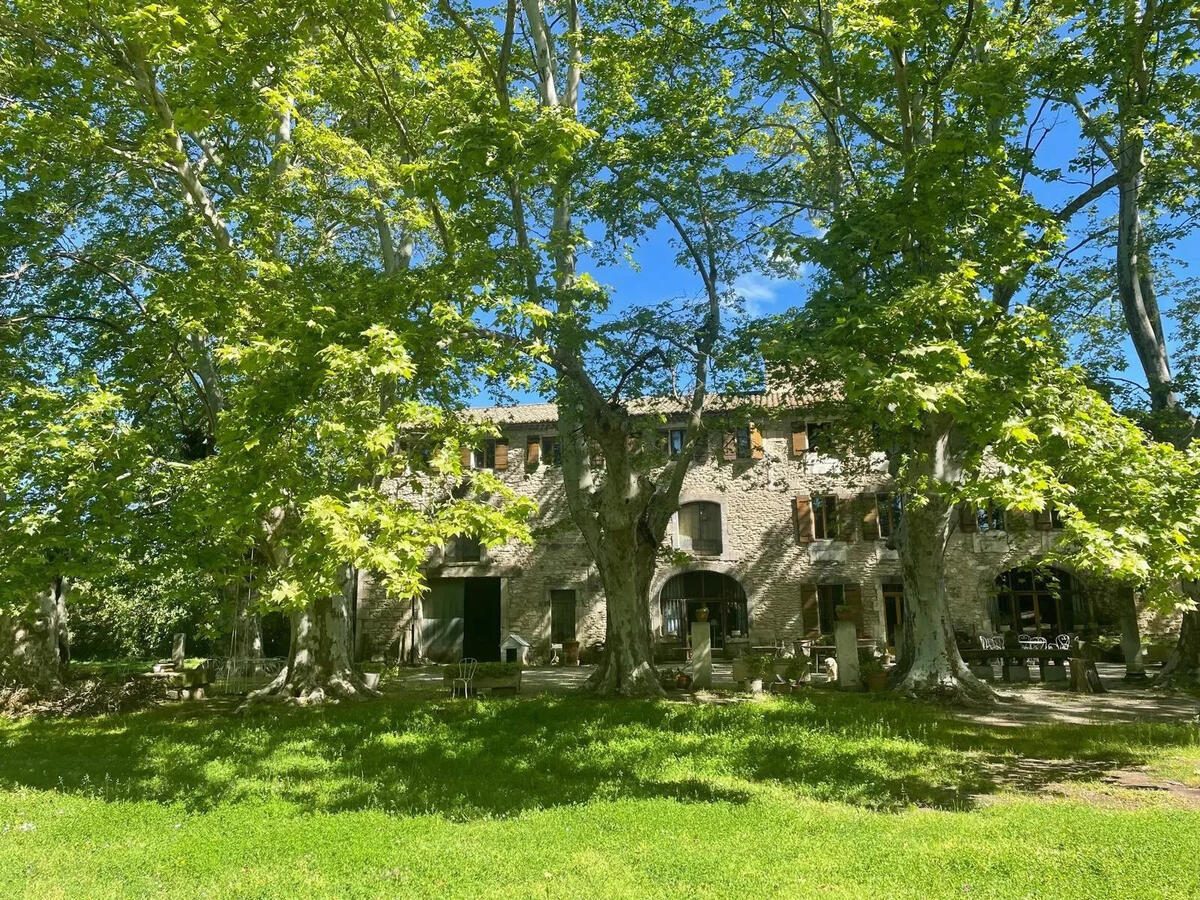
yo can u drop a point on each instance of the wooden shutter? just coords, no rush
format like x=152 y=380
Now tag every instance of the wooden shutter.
x=804 y=519
x=501 y=454
x=466 y=457
x=700 y=451
x=729 y=446
x=799 y=439
x=1042 y=519
x=533 y=450
x=809 y=616
x=756 y=445
x=967 y=520
x=870 y=519
x=853 y=598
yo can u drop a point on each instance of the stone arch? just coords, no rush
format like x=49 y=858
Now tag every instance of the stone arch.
x=665 y=576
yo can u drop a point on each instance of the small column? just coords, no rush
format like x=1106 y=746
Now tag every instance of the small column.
x=701 y=633
x=177 y=650
x=845 y=638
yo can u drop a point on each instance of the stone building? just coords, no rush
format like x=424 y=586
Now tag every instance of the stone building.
x=772 y=537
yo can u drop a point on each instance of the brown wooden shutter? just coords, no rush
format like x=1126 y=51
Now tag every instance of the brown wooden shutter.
x=756 y=444
x=967 y=520
x=870 y=519
x=729 y=446
x=804 y=519
x=809 y=615
x=1042 y=520
x=501 y=455
x=533 y=450
x=466 y=457
x=799 y=439
x=853 y=598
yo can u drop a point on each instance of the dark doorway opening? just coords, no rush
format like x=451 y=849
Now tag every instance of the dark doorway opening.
x=481 y=619
x=684 y=595
x=893 y=609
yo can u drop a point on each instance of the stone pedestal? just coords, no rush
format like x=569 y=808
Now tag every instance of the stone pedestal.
x=177 y=650
x=845 y=639
x=701 y=634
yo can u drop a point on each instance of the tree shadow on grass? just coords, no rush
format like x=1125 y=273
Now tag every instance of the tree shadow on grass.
x=469 y=759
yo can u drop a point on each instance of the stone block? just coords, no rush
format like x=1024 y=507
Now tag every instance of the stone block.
x=845 y=638
x=1016 y=673
x=701 y=633
x=1054 y=673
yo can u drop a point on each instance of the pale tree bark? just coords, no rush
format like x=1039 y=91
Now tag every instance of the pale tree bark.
x=34 y=643
x=320 y=665
x=1131 y=638
x=930 y=666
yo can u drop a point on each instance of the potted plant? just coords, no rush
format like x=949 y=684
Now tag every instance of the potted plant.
x=758 y=667
x=798 y=672
x=873 y=674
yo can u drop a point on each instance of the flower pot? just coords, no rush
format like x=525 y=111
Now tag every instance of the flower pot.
x=702 y=614
x=371 y=679
x=876 y=681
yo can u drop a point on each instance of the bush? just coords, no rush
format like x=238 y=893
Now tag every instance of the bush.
x=486 y=670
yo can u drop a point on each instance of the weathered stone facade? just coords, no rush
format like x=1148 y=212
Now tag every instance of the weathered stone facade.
x=761 y=548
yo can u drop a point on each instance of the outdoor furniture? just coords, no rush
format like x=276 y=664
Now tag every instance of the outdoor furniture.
x=1063 y=641
x=466 y=676
x=1017 y=657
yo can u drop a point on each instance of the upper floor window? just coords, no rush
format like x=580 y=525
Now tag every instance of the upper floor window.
x=743 y=443
x=675 y=441
x=484 y=457
x=829 y=598
x=887 y=509
x=700 y=528
x=463 y=548
x=825 y=517
x=551 y=450
x=990 y=517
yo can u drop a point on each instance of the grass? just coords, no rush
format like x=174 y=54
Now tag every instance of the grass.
x=843 y=796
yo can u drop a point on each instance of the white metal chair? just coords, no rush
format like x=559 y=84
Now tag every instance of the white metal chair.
x=1063 y=641
x=466 y=675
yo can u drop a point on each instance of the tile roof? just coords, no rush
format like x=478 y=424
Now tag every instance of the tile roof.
x=539 y=413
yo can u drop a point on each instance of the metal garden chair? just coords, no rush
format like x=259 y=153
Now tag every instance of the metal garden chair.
x=466 y=675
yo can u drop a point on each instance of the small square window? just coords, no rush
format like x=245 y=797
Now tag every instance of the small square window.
x=990 y=517
x=463 y=548
x=551 y=451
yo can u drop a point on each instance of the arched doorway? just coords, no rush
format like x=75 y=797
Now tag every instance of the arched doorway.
x=1037 y=600
x=685 y=594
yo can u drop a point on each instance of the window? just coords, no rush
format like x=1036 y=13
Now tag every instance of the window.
x=684 y=595
x=1035 y=601
x=741 y=438
x=463 y=548
x=1056 y=520
x=990 y=517
x=562 y=616
x=818 y=436
x=700 y=528
x=829 y=598
x=887 y=508
x=825 y=521
x=484 y=457
x=675 y=439
x=551 y=451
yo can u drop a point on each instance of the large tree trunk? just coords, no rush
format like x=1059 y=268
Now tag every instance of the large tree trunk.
x=1182 y=668
x=930 y=666
x=1131 y=638
x=626 y=562
x=35 y=645
x=319 y=666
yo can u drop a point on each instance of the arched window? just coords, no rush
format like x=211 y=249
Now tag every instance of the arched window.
x=700 y=528
x=684 y=595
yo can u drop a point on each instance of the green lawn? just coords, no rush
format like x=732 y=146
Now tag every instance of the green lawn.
x=830 y=796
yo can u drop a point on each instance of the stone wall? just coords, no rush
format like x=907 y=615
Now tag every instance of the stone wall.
x=761 y=550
